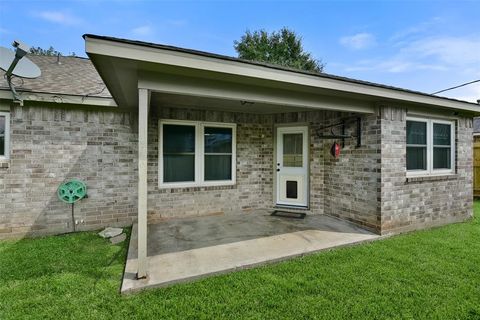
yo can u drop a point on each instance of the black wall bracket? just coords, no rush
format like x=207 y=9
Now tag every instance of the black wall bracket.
x=342 y=124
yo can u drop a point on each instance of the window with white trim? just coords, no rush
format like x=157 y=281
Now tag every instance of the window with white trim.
x=430 y=146
x=4 y=135
x=193 y=153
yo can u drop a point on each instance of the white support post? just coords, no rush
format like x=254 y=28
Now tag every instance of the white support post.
x=143 y=106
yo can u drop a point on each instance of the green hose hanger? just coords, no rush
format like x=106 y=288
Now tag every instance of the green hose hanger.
x=72 y=191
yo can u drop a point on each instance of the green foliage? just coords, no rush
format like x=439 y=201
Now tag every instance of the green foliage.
x=431 y=274
x=283 y=47
x=48 y=52
x=45 y=52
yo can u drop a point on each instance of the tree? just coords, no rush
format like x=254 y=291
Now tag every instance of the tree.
x=283 y=47
x=48 y=52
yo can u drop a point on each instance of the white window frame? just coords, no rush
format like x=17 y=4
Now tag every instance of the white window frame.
x=7 y=135
x=430 y=171
x=199 y=154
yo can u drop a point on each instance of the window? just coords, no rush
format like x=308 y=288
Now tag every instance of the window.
x=416 y=145
x=430 y=146
x=218 y=153
x=442 y=146
x=178 y=153
x=4 y=135
x=196 y=153
x=293 y=150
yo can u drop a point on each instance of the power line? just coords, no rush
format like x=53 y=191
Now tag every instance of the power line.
x=462 y=85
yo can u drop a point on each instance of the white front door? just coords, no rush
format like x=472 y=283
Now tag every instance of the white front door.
x=292 y=166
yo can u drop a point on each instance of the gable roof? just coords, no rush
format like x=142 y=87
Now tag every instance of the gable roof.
x=168 y=69
x=61 y=75
x=78 y=77
x=268 y=65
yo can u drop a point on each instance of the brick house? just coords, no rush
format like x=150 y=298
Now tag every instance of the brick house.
x=174 y=132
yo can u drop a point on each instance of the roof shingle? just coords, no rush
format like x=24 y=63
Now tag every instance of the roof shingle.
x=62 y=75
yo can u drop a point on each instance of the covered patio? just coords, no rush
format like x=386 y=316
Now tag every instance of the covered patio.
x=254 y=100
x=181 y=250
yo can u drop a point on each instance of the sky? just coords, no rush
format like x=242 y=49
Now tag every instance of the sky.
x=420 y=45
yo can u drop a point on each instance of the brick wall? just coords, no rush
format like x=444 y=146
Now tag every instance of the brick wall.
x=346 y=187
x=409 y=204
x=254 y=169
x=255 y=161
x=352 y=180
x=51 y=144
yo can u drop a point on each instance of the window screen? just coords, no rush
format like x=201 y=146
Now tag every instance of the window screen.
x=442 y=149
x=218 y=153
x=178 y=153
x=416 y=145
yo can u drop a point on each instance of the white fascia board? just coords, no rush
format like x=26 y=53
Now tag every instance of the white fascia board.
x=60 y=98
x=190 y=60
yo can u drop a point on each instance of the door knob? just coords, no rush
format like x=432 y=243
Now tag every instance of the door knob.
x=278 y=169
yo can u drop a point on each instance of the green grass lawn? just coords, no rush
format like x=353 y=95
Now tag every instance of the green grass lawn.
x=423 y=275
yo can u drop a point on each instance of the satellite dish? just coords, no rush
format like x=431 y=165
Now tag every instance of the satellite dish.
x=13 y=65
x=25 y=68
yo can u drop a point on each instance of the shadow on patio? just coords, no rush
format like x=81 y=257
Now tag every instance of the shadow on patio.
x=185 y=249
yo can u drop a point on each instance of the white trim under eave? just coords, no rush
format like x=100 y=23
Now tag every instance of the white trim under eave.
x=118 y=49
x=60 y=98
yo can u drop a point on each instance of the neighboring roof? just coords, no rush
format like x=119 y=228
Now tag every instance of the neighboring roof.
x=61 y=75
x=272 y=66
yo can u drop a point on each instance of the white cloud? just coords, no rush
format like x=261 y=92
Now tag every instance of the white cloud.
x=419 y=29
x=427 y=56
x=449 y=50
x=394 y=65
x=60 y=17
x=176 y=22
x=149 y=31
x=358 y=41
x=459 y=55
x=145 y=30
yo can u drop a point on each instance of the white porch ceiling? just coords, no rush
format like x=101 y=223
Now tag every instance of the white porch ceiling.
x=160 y=99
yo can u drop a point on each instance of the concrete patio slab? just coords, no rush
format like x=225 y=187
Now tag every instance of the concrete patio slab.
x=186 y=249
